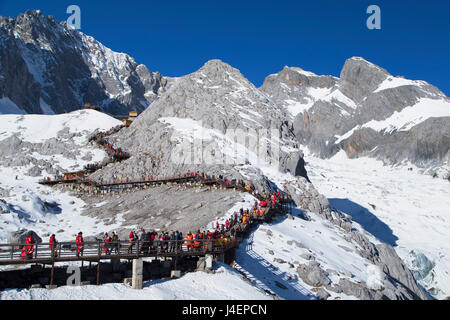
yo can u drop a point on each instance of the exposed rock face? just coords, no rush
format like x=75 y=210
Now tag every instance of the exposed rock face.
x=355 y=289
x=313 y=274
x=306 y=197
x=19 y=236
x=194 y=124
x=321 y=293
x=48 y=68
x=359 y=78
x=366 y=112
x=162 y=208
x=399 y=273
x=188 y=126
x=399 y=284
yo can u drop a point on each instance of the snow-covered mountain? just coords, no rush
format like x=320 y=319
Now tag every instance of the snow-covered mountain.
x=366 y=112
x=213 y=106
x=312 y=254
x=48 y=68
x=318 y=252
x=403 y=208
x=334 y=245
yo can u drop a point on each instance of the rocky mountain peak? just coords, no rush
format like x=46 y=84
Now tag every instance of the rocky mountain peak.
x=217 y=72
x=202 y=109
x=216 y=65
x=360 y=77
x=46 y=67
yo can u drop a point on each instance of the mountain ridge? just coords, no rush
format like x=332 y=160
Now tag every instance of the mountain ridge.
x=62 y=69
x=366 y=112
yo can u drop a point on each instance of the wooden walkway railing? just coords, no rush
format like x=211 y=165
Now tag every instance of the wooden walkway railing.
x=11 y=254
x=153 y=182
x=96 y=251
x=46 y=253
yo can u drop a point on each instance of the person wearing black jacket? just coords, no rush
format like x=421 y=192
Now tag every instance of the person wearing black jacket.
x=146 y=243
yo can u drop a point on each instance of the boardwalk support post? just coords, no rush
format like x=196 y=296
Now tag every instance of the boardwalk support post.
x=52 y=273
x=208 y=262
x=136 y=280
x=98 y=272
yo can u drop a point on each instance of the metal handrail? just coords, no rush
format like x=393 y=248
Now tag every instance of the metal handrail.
x=139 y=248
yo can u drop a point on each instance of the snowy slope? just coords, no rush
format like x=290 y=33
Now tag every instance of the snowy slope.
x=270 y=257
x=26 y=198
x=38 y=128
x=366 y=107
x=291 y=240
x=404 y=208
x=7 y=107
x=224 y=284
x=412 y=116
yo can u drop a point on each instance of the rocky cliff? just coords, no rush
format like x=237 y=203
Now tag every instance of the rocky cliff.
x=213 y=120
x=366 y=112
x=47 y=68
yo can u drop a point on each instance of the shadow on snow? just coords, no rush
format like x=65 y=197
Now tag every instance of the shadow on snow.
x=266 y=277
x=366 y=219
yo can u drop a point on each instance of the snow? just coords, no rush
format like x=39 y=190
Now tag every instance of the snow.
x=103 y=58
x=365 y=61
x=406 y=209
x=319 y=93
x=295 y=107
x=394 y=82
x=35 y=63
x=330 y=95
x=346 y=135
x=304 y=72
x=392 y=205
x=224 y=284
x=256 y=255
x=188 y=131
x=25 y=202
x=411 y=116
x=46 y=109
x=27 y=197
x=38 y=128
x=375 y=278
x=339 y=96
x=405 y=119
x=9 y=107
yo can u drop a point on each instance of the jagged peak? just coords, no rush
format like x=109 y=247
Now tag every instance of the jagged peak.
x=217 y=71
x=216 y=65
x=300 y=70
x=34 y=16
x=360 y=61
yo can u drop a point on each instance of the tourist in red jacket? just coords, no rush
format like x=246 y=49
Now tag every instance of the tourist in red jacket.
x=80 y=243
x=28 y=248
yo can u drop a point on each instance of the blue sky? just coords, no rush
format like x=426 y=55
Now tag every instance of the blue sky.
x=261 y=37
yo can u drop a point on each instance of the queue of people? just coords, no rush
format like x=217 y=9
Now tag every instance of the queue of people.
x=152 y=242
x=116 y=154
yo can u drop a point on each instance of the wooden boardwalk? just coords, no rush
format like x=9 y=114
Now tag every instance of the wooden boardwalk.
x=10 y=254
x=97 y=251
